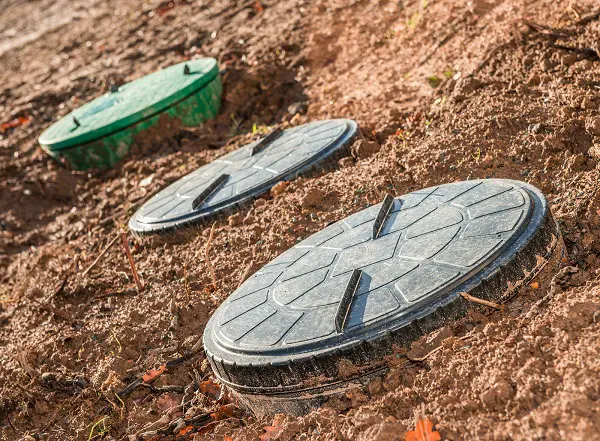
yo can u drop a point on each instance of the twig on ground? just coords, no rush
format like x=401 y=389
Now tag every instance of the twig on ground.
x=210 y=265
x=97 y=259
x=130 y=388
x=196 y=348
x=587 y=52
x=136 y=277
x=168 y=365
x=167 y=388
x=426 y=356
x=588 y=18
x=473 y=299
x=124 y=292
x=61 y=286
x=57 y=312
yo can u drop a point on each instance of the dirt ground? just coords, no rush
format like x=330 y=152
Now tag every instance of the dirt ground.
x=443 y=90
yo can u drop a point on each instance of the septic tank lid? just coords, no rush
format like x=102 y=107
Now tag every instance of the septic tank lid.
x=384 y=275
x=243 y=174
x=130 y=104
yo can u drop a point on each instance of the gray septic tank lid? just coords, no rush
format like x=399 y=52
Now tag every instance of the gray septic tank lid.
x=382 y=276
x=243 y=174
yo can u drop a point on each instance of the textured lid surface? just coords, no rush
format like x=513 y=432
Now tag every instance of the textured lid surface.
x=131 y=103
x=375 y=271
x=238 y=176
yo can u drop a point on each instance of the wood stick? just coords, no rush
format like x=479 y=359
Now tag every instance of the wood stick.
x=57 y=312
x=211 y=267
x=136 y=277
x=473 y=299
x=95 y=262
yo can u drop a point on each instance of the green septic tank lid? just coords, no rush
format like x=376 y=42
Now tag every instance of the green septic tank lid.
x=130 y=104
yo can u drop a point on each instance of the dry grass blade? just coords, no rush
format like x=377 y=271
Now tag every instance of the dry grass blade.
x=473 y=299
x=97 y=259
x=209 y=263
x=136 y=277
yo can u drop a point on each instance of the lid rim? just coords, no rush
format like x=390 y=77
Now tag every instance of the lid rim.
x=205 y=214
x=534 y=239
x=64 y=143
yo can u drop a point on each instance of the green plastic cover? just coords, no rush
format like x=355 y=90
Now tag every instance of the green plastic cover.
x=130 y=104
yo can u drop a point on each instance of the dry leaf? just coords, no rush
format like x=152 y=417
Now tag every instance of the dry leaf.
x=227 y=438
x=186 y=430
x=535 y=285
x=224 y=412
x=274 y=430
x=151 y=374
x=20 y=121
x=423 y=432
x=211 y=388
x=258 y=8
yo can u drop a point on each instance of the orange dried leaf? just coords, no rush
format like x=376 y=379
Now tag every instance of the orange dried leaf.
x=186 y=430
x=423 y=432
x=224 y=412
x=211 y=388
x=227 y=438
x=535 y=285
x=162 y=10
x=258 y=8
x=151 y=374
x=20 y=121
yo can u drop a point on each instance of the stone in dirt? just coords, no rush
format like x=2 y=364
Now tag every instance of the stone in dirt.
x=313 y=198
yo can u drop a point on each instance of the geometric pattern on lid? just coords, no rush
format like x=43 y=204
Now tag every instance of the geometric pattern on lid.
x=245 y=174
x=431 y=241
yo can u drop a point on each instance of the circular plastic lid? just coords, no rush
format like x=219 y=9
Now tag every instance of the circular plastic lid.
x=384 y=275
x=130 y=104
x=242 y=174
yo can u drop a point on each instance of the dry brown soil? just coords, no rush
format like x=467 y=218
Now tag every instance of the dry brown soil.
x=443 y=90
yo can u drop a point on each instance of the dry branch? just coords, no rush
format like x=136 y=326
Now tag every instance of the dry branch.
x=136 y=277
x=473 y=299
x=210 y=265
x=97 y=259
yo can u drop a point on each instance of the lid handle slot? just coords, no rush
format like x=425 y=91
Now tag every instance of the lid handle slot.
x=210 y=189
x=382 y=215
x=341 y=314
x=266 y=141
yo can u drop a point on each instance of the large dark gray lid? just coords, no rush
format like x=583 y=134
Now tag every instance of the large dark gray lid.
x=383 y=275
x=242 y=174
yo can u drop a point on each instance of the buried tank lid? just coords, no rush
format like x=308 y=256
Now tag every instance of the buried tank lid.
x=243 y=174
x=130 y=103
x=377 y=273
